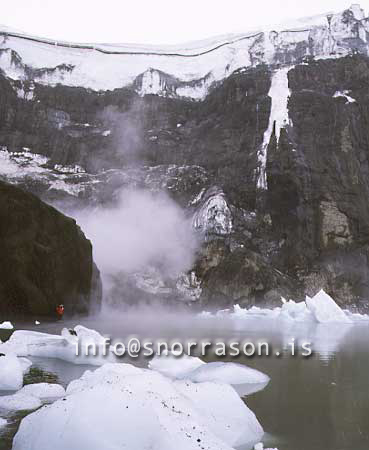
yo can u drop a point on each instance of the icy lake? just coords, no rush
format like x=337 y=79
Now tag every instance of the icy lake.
x=315 y=403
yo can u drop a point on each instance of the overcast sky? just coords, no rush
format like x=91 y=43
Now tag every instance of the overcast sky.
x=154 y=21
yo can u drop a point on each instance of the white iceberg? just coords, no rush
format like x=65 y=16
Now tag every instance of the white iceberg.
x=11 y=372
x=175 y=366
x=319 y=309
x=19 y=402
x=6 y=326
x=44 y=391
x=244 y=380
x=110 y=408
x=297 y=311
x=226 y=372
x=325 y=309
x=64 y=347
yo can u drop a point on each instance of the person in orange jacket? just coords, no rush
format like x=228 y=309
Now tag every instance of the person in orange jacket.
x=60 y=311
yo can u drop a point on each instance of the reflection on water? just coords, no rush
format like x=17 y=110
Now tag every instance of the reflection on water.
x=316 y=403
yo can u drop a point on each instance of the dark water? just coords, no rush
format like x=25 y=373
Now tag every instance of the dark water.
x=315 y=403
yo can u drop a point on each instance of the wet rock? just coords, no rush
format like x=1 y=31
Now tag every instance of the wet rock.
x=45 y=258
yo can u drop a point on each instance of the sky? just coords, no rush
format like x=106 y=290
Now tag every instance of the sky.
x=154 y=21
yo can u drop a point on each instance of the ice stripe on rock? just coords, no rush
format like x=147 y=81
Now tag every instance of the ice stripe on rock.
x=279 y=93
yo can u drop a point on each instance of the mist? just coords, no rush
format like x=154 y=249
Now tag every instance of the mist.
x=145 y=229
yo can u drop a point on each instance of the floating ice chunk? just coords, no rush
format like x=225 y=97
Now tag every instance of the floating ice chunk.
x=260 y=446
x=106 y=374
x=6 y=326
x=325 y=309
x=218 y=406
x=321 y=308
x=19 y=402
x=106 y=133
x=118 y=402
x=11 y=372
x=230 y=373
x=33 y=343
x=3 y=422
x=295 y=311
x=37 y=322
x=175 y=367
x=44 y=391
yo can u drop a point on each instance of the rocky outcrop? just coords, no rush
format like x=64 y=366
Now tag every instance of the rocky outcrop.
x=45 y=259
x=318 y=179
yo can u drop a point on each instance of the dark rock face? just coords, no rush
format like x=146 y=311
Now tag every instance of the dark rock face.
x=308 y=230
x=45 y=259
x=318 y=179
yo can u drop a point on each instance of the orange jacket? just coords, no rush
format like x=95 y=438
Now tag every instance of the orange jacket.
x=60 y=310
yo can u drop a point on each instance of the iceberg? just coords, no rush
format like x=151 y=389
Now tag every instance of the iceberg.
x=175 y=367
x=325 y=309
x=118 y=401
x=319 y=309
x=44 y=391
x=64 y=347
x=11 y=372
x=6 y=326
x=230 y=373
x=19 y=402
x=242 y=378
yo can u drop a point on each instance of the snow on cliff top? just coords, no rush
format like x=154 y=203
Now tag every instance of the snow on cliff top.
x=186 y=70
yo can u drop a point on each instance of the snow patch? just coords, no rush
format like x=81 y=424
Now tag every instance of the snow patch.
x=346 y=95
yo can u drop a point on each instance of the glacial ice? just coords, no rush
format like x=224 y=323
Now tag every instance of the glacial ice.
x=195 y=66
x=325 y=309
x=243 y=379
x=175 y=367
x=173 y=414
x=43 y=391
x=64 y=347
x=6 y=326
x=19 y=402
x=11 y=372
x=319 y=309
x=279 y=93
x=230 y=373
